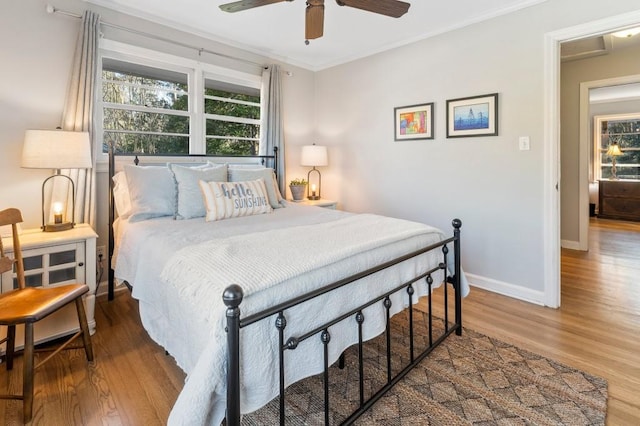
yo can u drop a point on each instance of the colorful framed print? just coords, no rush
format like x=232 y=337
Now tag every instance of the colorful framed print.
x=413 y=122
x=474 y=116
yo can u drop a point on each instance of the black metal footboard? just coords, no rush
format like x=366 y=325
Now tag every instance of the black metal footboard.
x=233 y=297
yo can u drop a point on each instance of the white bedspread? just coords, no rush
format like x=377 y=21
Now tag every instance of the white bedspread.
x=183 y=311
x=202 y=271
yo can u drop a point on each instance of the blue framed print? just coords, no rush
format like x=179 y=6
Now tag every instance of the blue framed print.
x=472 y=116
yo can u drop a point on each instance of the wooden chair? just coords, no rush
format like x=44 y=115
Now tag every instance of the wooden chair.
x=28 y=305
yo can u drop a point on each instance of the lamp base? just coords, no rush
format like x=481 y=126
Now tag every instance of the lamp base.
x=55 y=227
x=313 y=197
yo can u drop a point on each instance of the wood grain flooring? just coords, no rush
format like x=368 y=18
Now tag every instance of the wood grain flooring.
x=597 y=328
x=133 y=382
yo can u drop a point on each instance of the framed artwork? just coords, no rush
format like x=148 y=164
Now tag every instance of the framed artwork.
x=413 y=122
x=474 y=116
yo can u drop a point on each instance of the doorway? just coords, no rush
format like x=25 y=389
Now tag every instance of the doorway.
x=551 y=214
x=585 y=149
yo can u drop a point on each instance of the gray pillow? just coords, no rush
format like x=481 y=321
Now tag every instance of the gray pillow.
x=190 y=201
x=242 y=174
x=152 y=191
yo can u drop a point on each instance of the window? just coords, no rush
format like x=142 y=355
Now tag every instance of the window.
x=624 y=130
x=145 y=110
x=232 y=115
x=176 y=106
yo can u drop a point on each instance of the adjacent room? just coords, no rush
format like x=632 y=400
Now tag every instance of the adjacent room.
x=318 y=212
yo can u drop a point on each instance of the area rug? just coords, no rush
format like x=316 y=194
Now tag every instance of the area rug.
x=471 y=379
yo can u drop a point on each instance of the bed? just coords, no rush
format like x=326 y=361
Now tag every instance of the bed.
x=249 y=305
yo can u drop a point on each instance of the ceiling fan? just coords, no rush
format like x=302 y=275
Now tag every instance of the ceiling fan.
x=314 y=16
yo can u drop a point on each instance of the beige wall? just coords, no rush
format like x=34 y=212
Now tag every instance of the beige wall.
x=616 y=64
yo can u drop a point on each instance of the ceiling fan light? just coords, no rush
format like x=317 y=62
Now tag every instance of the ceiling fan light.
x=629 y=32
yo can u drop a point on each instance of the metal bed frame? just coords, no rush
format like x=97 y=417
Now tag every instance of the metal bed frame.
x=233 y=295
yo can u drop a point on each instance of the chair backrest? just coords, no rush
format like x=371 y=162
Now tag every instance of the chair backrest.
x=12 y=217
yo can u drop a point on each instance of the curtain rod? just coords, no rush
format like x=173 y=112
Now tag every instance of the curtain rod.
x=53 y=9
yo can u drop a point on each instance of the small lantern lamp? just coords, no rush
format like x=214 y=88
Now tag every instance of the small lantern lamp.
x=314 y=156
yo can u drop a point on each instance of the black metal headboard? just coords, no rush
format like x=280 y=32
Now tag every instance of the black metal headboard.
x=266 y=160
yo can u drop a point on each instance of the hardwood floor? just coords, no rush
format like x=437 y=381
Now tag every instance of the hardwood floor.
x=597 y=328
x=133 y=382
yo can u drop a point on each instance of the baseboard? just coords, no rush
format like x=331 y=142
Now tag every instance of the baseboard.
x=568 y=244
x=506 y=289
x=103 y=289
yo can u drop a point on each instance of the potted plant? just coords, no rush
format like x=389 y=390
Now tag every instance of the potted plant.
x=298 y=188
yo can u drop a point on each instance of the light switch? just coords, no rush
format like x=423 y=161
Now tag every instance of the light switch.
x=524 y=143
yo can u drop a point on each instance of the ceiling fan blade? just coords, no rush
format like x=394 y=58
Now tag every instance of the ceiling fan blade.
x=392 y=8
x=314 y=19
x=238 y=6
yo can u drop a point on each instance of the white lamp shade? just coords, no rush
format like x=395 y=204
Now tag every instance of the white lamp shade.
x=314 y=155
x=56 y=149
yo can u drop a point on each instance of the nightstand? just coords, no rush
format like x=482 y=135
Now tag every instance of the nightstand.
x=329 y=204
x=55 y=258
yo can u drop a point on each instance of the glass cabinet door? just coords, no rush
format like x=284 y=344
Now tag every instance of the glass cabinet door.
x=66 y=261
x=33 y=267
x=49 y=266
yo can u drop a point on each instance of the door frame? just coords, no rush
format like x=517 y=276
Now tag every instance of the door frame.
x=552 y=175
x=585 y=148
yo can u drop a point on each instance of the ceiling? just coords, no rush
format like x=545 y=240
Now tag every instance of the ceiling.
x=602 y=45
x=596 y=46
x=277 y=30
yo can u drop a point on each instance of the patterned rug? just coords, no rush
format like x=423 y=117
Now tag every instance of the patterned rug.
x=471 y=379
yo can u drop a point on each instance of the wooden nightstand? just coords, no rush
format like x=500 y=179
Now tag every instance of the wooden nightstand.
x=55 y=258
x=619 y=199
x=329 y=204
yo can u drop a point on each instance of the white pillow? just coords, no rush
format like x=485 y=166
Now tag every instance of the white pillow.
x=152 y=190
x=121 y=198
x=269 y=176
x=190 y=203
x=224 y=200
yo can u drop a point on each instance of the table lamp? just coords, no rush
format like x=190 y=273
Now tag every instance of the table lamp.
x=57 y=149
x=614 y=151
x=314 y=156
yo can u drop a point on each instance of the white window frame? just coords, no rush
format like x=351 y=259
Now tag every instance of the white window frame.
x=597 y=138
x=196 y=73
x=256 y=84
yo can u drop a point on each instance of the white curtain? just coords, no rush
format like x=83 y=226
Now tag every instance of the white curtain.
x=272 y=129
x=78 y=113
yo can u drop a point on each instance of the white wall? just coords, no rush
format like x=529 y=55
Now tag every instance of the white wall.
x=487 y=182
x=36 y=54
